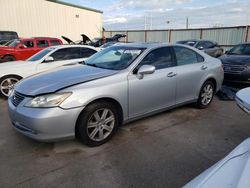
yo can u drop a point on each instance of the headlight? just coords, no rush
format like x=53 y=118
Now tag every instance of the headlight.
x=48 y=101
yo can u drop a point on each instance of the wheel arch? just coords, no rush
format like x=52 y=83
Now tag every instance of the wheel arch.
x=213 y=80
x=104 y=99
x=5 y=55
x=11 y=75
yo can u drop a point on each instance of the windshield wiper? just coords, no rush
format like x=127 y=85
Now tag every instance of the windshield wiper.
x=92 y=65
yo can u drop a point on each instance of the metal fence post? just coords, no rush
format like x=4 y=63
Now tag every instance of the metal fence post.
x=169 y=36
x=201 y=33
x=247 y=31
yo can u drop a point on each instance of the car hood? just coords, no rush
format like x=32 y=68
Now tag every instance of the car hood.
x=238 y=59
x=60 y=78
x=232 y=171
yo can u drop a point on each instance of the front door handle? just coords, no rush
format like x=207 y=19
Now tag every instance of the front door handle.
x=203 y=67
x=171 y=74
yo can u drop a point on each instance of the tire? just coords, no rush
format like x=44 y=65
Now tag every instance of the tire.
x=7 y=83
x=8 y=58
x=206 y=95
x=91 y=127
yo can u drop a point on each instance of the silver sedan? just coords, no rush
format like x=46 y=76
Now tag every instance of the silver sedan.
x=117 y=85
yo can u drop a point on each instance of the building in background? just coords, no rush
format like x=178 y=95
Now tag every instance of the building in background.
x=50 y=18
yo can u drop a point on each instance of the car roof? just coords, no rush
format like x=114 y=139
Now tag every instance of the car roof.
x=143 y=44
x=72 y=46
x=51 y=38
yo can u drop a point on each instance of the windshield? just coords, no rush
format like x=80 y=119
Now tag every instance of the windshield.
x=40 y=54
x=13 y=43
x=242 y=49
x=115 y=57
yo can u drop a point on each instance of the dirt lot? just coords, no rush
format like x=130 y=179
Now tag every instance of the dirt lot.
x=165 y=150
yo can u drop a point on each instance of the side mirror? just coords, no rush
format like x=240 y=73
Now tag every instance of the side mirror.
x=226 y=52
x=48 y=59
x=145 y=69
x=200 y=48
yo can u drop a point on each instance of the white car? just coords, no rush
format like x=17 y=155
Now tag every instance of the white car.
x=231 y=172
x=234 y=170
x=49 y=58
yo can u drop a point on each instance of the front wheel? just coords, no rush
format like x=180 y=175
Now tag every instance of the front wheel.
x=8 y=58
x=97 y=123
x=206 y=95
x=7 y=84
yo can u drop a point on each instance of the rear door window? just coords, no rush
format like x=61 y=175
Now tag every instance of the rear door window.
x=42 y=43
x=66 y=54
x=185 y=56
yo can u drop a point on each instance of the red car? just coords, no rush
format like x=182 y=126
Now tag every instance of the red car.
x=21 y=49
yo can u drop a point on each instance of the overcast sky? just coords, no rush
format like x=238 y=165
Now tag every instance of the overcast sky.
x=166 y=14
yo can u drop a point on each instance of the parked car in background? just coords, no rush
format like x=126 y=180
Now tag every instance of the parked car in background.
x=237 y=64
x=48 y=58
x=6 y=36
x=116 y=85
x=21 y=49
x=209 y=47
x=243 y=99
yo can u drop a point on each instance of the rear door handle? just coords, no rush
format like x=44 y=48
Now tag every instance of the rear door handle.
x=171 y=74
x=203 y=67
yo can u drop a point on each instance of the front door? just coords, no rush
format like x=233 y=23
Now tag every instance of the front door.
x=154 y=91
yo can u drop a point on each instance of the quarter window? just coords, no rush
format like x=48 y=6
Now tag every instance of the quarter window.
x=185 y=56
x=42 y=43
x=160 y=58
x=55 y=42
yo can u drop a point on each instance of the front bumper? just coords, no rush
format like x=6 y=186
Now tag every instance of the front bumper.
x=243 y=78
x=44 y=124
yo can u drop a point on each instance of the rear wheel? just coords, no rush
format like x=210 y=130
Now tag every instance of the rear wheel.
x=206 y=94
x=7 y=84
x=97 y=123
x=9 y=58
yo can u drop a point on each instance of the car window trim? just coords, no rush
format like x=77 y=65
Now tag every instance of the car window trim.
x=134 y=69
x=176 y=64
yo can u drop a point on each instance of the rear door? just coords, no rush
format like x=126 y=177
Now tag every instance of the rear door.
x=155 y=91
x=190 y=70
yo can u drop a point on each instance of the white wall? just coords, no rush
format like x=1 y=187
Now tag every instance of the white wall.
x=34 y=18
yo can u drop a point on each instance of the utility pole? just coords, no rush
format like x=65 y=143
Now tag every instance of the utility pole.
x=187 y=23
x=145 y=22
x=151 y=21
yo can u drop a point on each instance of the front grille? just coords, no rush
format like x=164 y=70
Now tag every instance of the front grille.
x=234 y=68
x=17 y=98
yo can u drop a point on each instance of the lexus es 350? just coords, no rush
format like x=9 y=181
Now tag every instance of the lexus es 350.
x=115 y=86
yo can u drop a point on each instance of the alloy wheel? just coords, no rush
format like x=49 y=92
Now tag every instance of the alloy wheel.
x=207 y=94
x=7 y=85
x=100 y=124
